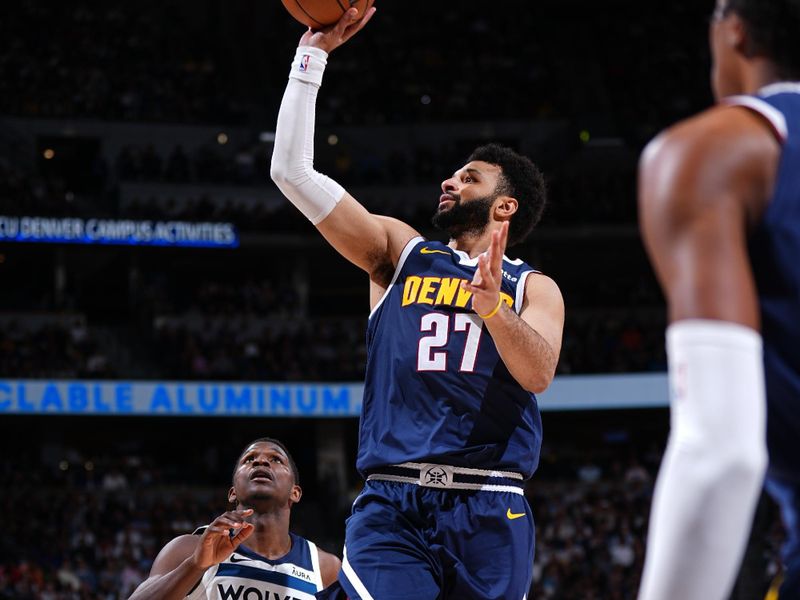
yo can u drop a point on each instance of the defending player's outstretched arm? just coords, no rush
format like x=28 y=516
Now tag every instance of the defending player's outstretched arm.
x=370 y=242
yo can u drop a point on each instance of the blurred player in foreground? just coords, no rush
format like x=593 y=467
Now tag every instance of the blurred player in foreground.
x=720 y=215
x=459 y=339
x=248 y=552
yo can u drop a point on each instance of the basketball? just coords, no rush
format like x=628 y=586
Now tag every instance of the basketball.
x=320 y=13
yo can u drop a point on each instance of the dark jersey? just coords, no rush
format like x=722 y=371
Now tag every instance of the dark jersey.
x=775 y=258
x=436 y=389
x=247 y=574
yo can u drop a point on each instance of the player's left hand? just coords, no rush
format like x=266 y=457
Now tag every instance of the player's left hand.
x=330 y=38
x=485 y=285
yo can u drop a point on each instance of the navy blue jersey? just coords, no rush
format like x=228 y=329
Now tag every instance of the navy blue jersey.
x=247 y=574
x=775 y=258
x=436 y=389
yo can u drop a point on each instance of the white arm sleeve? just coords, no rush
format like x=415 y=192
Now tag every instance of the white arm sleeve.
x=712 y=471
x=292 y=168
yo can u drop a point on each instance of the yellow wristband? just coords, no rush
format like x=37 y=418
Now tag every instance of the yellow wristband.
x=494 y=311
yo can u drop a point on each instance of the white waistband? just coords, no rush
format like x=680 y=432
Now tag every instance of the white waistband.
x=462 y=470
x=441 y=477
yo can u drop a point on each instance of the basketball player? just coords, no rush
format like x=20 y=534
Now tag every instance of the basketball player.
x=459 y=339
x=720 y=215
x=247 y=552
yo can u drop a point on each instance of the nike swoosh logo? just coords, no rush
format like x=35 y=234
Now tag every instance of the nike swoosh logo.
x=429 y=251
x=233 y=559
x=513 y=516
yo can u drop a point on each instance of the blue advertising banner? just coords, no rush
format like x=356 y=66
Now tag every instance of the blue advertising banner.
x=154 y=398
x=222 y=399
x=124 y=232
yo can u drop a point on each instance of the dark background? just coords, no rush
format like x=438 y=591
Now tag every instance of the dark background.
x=156 y=110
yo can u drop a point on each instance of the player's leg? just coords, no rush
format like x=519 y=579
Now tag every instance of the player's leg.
x=486 y=546
x=787 y=495
x=385 y=555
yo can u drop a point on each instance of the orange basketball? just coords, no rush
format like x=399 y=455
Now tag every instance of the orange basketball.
x=319 y=13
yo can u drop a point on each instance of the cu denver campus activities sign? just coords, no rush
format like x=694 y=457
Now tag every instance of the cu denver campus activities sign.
x=222 y=399
x=122 y=232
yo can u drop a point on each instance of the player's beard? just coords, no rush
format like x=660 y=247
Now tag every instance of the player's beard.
x=464 y=218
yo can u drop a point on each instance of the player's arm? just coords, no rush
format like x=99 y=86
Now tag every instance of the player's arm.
x=702 y=186
x=181 y=563
x=528 y=343
x=173 y=574
x=366 y=240
x=329 y=566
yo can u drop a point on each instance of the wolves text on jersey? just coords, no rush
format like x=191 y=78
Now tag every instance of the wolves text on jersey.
x=242 y=592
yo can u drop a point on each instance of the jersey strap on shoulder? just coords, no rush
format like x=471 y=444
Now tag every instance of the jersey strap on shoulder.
x=412 y=243
x=315 y=570
x=772 y=115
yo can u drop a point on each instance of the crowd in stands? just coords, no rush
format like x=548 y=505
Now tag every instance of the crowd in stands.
x=152 y=61
x=109 y=61
x=56 y=349
x=605 y=64
x=98 y=524
x=86 y=527
x=202 y=346
x=92 y=524
x=274 y=350
x=613 y=342
x=247 y=165
x=591 y=507
x=579 y=198
x=261 y=329
x=254 y=330
x=576 y=197
x=335 y=350
x=24 y=192
x=591 y=534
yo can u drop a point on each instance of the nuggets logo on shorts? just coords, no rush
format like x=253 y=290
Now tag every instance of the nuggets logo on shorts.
x=435 y=476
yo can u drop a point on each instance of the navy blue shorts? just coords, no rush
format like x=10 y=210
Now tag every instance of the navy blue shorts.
x=407 y=541
x=787 y=495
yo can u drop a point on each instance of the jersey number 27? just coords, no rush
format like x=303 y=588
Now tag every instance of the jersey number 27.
x=430 y=356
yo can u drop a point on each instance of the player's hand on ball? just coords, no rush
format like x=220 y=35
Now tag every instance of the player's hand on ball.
x=330 y=38
x=217 y=543
x=485 y=285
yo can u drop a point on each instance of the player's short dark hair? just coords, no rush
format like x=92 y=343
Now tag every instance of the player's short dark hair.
x=520 y=179
x=279 y=444
x=774 y=27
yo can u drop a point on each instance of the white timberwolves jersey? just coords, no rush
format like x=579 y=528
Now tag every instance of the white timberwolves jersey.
x=246 y=575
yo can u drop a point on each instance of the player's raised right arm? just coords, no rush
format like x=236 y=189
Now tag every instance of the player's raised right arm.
x=366 y=240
